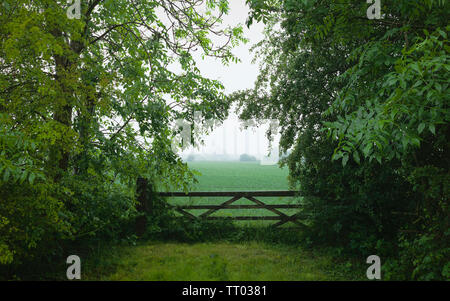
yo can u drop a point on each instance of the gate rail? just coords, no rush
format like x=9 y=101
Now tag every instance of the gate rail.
x=281 y=217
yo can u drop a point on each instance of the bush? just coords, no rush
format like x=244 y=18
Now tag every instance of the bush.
x=424 y=248
x=424 y=257
x=31 y=219
x=41 y=223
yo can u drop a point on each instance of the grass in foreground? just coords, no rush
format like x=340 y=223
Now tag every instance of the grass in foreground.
x=217 y=262
x=222 y=261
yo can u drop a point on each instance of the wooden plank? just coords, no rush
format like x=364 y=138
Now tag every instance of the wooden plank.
x=198 y=207
x=186 y=213
x=281 y=217
x=228 y=193
x=292 y=218
x=285 y=217
x=234 y=199
x=262 y=204
x=300 y=225
x=246 y=218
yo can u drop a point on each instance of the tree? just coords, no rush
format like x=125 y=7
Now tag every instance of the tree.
x=347 y=87
x=94 y=99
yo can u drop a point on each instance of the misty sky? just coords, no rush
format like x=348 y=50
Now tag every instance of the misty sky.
x=229 y=138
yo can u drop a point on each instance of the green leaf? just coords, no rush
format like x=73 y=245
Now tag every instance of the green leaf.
x=31 y=178
x=421 y=128
x=416 y=142
x=336 y=156
x=432 y=129
x=23 y=176
x=345 y=160
x=356 y=157
x=367 y=149
x=378 y=157
x=6 y=175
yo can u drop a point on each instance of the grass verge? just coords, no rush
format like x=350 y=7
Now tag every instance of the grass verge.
x=217 y=261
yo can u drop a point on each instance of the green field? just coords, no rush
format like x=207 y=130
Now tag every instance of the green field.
x=239 y=176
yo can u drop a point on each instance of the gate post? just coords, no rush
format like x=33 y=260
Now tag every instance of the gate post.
x=143 y=189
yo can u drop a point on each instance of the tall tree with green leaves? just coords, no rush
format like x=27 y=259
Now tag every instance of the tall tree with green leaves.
x=374 y=94
x=93 y=100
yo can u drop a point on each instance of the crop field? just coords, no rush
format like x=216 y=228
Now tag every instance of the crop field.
x=239 y=176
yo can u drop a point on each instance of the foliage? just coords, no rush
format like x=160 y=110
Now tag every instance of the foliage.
x=406 y=105
x=372 y=94
x=89 y=104
x=31 y=218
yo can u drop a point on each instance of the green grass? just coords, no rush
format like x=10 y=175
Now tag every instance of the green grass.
x=217 y=262
x=238 y=176
x=249 y=257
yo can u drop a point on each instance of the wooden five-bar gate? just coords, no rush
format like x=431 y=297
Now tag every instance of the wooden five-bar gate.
x=145 y=204
x=281 y=217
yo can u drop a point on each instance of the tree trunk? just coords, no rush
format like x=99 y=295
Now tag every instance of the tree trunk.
x=143 y=190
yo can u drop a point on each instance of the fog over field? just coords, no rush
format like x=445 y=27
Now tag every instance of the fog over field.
x=229 y=141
